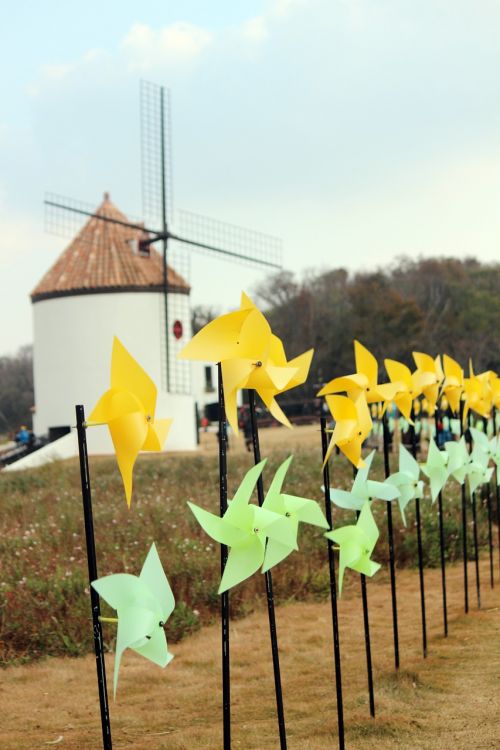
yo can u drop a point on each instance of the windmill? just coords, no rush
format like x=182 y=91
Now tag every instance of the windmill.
x=198 y=233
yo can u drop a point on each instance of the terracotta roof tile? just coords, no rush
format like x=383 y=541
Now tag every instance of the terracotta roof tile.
x=103 y=257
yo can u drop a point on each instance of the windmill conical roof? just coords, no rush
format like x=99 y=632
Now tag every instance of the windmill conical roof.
x=104 y=257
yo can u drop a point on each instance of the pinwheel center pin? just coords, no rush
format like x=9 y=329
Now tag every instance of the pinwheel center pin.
x=287 y=514
x=256 y=531
x=258 y=363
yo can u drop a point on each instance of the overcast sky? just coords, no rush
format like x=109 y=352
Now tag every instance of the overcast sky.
x=356 y=130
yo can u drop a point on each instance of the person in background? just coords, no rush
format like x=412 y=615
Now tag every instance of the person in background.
x=23 y=436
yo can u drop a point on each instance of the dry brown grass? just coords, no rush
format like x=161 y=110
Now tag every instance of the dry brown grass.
x=448 y=701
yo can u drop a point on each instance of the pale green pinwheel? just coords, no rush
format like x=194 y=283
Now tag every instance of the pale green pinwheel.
x=244 y=528
x=143 y=604
x=479 y=473
x=459 y=462
x=363 y=489
x=435 y=469
x=406 y=480
x=295 y=509
x=487 y=445
x=356 y=544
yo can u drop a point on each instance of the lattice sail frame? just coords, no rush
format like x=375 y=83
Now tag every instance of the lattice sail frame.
x=66 y=217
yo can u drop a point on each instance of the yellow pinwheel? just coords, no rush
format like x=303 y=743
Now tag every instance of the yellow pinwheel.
x=352 y=426
x=453 y=383
x=364 y=380
x=408 y=385
x=426 y=364
x=495 y=390
x=477 y=394
x=251 y=356
x=128 y=409
x=242 y=334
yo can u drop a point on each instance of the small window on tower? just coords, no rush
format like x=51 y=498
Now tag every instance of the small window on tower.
x=209 y=383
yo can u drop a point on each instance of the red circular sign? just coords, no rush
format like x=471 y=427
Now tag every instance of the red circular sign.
x=177 y=329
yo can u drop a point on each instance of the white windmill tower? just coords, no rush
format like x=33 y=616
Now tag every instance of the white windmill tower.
x=111 y=281
x=108 y=283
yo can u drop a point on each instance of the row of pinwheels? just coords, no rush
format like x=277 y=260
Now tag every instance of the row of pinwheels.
x=431 y=380
x=258 y=537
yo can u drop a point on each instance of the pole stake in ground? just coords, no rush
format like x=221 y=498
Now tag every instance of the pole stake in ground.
x=497 y=486
x=474 y=527
x=333 y=589
x=366 y=626
x=419 y=545
x=464 y=524
x=92 y=567
x=437 y=415
x=490 y=520
x=226 y=676
x=269 y=585
x=390 y=535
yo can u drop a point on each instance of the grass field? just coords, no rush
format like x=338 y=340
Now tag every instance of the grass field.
x=44 y=600
x=448 y=701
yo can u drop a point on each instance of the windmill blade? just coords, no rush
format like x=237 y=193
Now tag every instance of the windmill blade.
x=66 y=217
x=230 y=241
x=156 y=153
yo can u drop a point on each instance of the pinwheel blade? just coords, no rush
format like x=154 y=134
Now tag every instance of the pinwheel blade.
x=155 y=649
x=218 y=528
x=153 y=577
x=242 y=562
x=134 y=626
x=128 y=434
x=128 y=375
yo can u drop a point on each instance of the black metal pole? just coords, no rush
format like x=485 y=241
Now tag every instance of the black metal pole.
x=333 y=588
x=464 y=525
x=366 y=624
x=164 y=233
x=419 y=546
x=92 y=566
x=476 y=550
x=494 y=415
x=226 y=678
x=490 y=521
x=368 y=648
x=437 y=415
x=269 y=586
x=474 y=531
x=390 y=535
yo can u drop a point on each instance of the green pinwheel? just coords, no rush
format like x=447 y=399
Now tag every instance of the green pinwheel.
x=244 y=528
x=479 y=473
x=295 y=509
x=406 y=480
x=487 y=445
x=363 y=489
x=356 y=544
x=435 y=469
x=143 y=604
x=458 y=464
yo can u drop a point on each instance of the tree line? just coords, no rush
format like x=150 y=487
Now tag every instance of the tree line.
x=16 y=390
x=432 y=305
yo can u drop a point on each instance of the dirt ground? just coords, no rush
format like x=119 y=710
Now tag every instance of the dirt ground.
x=448 y=701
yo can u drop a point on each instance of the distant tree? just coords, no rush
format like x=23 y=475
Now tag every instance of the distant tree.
x=201 y=315
x=433 y=305
x=16 y=390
